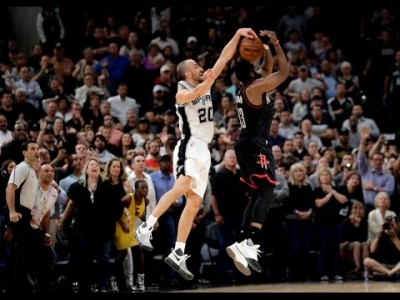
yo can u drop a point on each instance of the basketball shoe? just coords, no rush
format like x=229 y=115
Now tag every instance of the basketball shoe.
x=235 y=252
x=143 y=236
x=177 y=261
x=251 y=253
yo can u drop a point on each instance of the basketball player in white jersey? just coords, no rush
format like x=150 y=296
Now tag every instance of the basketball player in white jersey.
x=192 y=158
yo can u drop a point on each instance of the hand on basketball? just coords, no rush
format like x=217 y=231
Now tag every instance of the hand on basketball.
x=270 y=34
x=248 y=32
x=266 y=48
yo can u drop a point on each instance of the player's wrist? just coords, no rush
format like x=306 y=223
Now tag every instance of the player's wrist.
x=276 y=43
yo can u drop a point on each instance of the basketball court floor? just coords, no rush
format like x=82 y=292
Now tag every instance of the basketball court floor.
x=307 y=287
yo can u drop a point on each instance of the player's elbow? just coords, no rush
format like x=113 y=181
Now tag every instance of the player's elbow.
x=284 y=70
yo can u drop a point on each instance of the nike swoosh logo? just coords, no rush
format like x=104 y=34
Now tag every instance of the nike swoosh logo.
x=176 y=256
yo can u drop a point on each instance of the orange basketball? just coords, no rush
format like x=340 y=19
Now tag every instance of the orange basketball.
x=251 y=49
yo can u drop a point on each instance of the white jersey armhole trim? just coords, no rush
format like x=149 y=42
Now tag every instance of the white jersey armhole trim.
x=184 y=85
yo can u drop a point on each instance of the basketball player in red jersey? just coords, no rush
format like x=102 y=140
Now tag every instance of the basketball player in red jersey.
x=254 y=155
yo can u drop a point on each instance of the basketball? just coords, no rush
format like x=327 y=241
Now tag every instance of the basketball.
x=251 y=49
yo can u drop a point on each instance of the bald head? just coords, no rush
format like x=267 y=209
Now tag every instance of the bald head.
x=46 y=173
x=229 y=153
x=230 y=159
x=45 y=167
x=182 y=68
x=276 y=152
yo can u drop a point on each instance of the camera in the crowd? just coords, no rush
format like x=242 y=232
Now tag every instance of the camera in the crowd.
x=69 y=142
x=388 y=223
x=386 y=226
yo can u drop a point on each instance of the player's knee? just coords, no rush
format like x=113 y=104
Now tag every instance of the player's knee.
x=193 y=201
x=178 y=191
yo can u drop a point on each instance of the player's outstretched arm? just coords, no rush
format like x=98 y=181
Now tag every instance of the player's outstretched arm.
x=276 y=78
x=268 y=62
x=230 y=49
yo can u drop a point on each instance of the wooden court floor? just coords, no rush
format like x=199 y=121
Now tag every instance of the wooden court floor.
x=308 y=287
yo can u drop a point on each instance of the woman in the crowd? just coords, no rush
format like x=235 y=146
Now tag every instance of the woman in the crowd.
x=353 y=192
x=115 y=176
x=125 y=144
x=298 y=209
x=143 y=133
x=328 y=202
x=378 y=216
x=96 y=214
x=354 y=238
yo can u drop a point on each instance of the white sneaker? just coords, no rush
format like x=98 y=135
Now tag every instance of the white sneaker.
x=251 y=253
x=113 y=285
x=177 y=261
x=140 y=286
x=239 y=260
x=143 y=236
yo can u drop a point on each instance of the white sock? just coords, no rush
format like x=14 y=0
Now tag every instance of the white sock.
x=151 y=221
x=179 y=245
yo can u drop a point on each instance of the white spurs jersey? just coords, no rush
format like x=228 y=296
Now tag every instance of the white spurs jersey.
x=196 y=117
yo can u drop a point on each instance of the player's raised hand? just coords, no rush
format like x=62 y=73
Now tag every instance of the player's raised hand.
x=248 y=33
x=270 y=34
x=209 y=74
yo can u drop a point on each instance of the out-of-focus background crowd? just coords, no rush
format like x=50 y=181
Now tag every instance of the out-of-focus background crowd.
x=101 y=83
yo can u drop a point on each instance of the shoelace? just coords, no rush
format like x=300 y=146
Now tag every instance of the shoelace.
x=254 y=248
x=147 y=234
x=183 y=258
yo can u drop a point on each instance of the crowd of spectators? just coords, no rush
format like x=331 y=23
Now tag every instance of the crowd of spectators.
x=106 y=89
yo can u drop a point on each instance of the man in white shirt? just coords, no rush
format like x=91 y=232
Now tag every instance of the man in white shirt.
x=42 y=257
x=87 y=87
x=121 y=103
x=103 y=155
x=303 y=81
x=362 y=122
x=34 y=93
x=164 y=40
x=5 y=134
x=286 y=127
x=138 y=166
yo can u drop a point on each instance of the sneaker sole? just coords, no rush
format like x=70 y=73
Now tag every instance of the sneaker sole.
x=242 y=268
x=252 y=265
x=171 y=263
x=141 y=245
